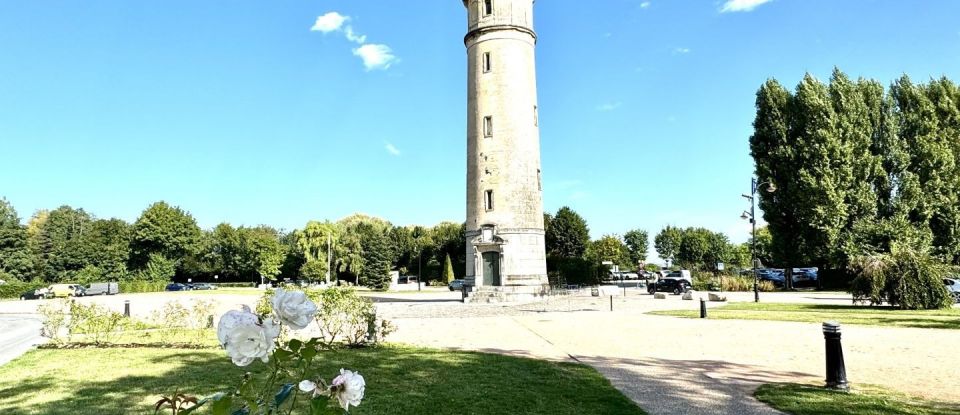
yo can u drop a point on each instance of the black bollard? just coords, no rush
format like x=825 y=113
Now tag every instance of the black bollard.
x=611 y=303
x=836 y=370
x=703 y=308
x=126 y=308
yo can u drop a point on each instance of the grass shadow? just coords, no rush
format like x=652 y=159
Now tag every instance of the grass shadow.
x=400 y=380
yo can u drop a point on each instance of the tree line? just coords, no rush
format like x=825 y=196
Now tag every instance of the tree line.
x=859 y=168
x=165 y=243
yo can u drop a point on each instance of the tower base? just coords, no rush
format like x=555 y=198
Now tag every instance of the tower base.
x=508 y=294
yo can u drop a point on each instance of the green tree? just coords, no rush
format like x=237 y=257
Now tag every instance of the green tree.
x=448 y=276
x=567 y=235
x=108 y=248
x=163 y=230
x=315 y=242
x=15 y=258
x=638 y=243
x=60 y=244
x=667 y=243
x=262 y=252
x=609 y=248
x=377 y=256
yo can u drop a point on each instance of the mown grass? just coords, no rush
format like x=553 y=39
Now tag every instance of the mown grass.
x=799 y=399
x=816 y=313
x=400 y=380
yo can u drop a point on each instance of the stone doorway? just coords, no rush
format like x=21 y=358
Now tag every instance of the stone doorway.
x=491 y=268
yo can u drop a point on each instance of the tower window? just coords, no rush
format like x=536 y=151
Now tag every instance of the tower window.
x=488 y=199
x=539 y=181
x=488 y=126
x=487 y=7
x=536 y=116
x=486 y=62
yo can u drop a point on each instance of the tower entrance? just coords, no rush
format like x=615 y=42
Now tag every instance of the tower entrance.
x=491 y=268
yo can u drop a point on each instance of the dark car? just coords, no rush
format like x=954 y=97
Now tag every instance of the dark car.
x=178 y=287
x=455 y=285
x=202 y=286
x=32 y=295
x=673 y=285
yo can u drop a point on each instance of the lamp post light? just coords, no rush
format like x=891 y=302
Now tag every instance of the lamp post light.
x=752 y=217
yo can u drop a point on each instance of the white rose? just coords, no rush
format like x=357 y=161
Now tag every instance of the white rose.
x=245 y=337
x=293 y=308
x=348 y=388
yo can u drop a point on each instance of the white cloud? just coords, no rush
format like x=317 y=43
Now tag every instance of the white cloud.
x=392 y=149
x=329 y=22
x=645 y=5
x=742 y=5
x=375 y=56
x=354 y=37
x=610 y=106
x=681 y=51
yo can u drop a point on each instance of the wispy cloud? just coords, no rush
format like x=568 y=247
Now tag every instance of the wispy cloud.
x=742 y=5
x=681 y=51
x=374 y=56
x=645 y=5
x=392 y=149
x=329 y=22
x=610 y=106
x=353 y=37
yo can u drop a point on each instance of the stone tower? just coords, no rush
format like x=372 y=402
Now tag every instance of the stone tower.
x=505 y=235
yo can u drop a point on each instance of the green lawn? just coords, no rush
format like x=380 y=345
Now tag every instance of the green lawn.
x=814 y=400
x=817 y=313
x=400 y=380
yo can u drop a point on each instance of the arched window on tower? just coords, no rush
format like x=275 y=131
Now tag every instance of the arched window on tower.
x=487 y=7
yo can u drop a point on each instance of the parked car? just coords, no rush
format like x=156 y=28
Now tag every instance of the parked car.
x=79 y=290
x=202 y=286
x=683 y=274
x=674 y=285
x=630 y=276
x=455 y=285
x=34 y=295
x=103 y=288
x=953 y=285
x=178 y=287
x=63 y=290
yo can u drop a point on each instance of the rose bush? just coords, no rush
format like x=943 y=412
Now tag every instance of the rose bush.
x=248 y=337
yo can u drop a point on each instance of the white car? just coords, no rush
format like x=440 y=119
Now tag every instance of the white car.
x=953 y=286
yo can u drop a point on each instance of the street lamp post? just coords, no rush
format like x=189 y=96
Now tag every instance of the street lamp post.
x=752 y=217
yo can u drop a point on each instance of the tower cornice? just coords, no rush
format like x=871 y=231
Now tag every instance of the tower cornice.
x=496 y=28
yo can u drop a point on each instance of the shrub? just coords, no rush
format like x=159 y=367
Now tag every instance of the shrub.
x=142 y=286
x=905 y=278
x=97 y=323
x=64 y=319
x=180 y=324
x=15 y=289
x=342 y=316
x=706 y=282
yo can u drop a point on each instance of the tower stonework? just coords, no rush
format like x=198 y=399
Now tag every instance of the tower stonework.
x=504 y=232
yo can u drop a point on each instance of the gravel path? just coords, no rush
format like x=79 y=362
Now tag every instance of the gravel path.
x=685 y=366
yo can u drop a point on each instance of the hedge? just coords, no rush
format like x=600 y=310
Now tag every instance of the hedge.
x=14 y=290
x=142 y=286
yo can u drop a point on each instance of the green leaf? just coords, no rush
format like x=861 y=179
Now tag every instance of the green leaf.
x=308 y=353
x=295 y=345
x=282 y=396
x=282 y=355
x=222 y=406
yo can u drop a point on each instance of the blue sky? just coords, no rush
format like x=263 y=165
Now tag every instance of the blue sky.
x=237 y=111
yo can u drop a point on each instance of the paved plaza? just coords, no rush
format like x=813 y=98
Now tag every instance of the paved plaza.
x=667 y=365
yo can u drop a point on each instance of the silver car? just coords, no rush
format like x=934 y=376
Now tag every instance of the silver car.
x=953 y=285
